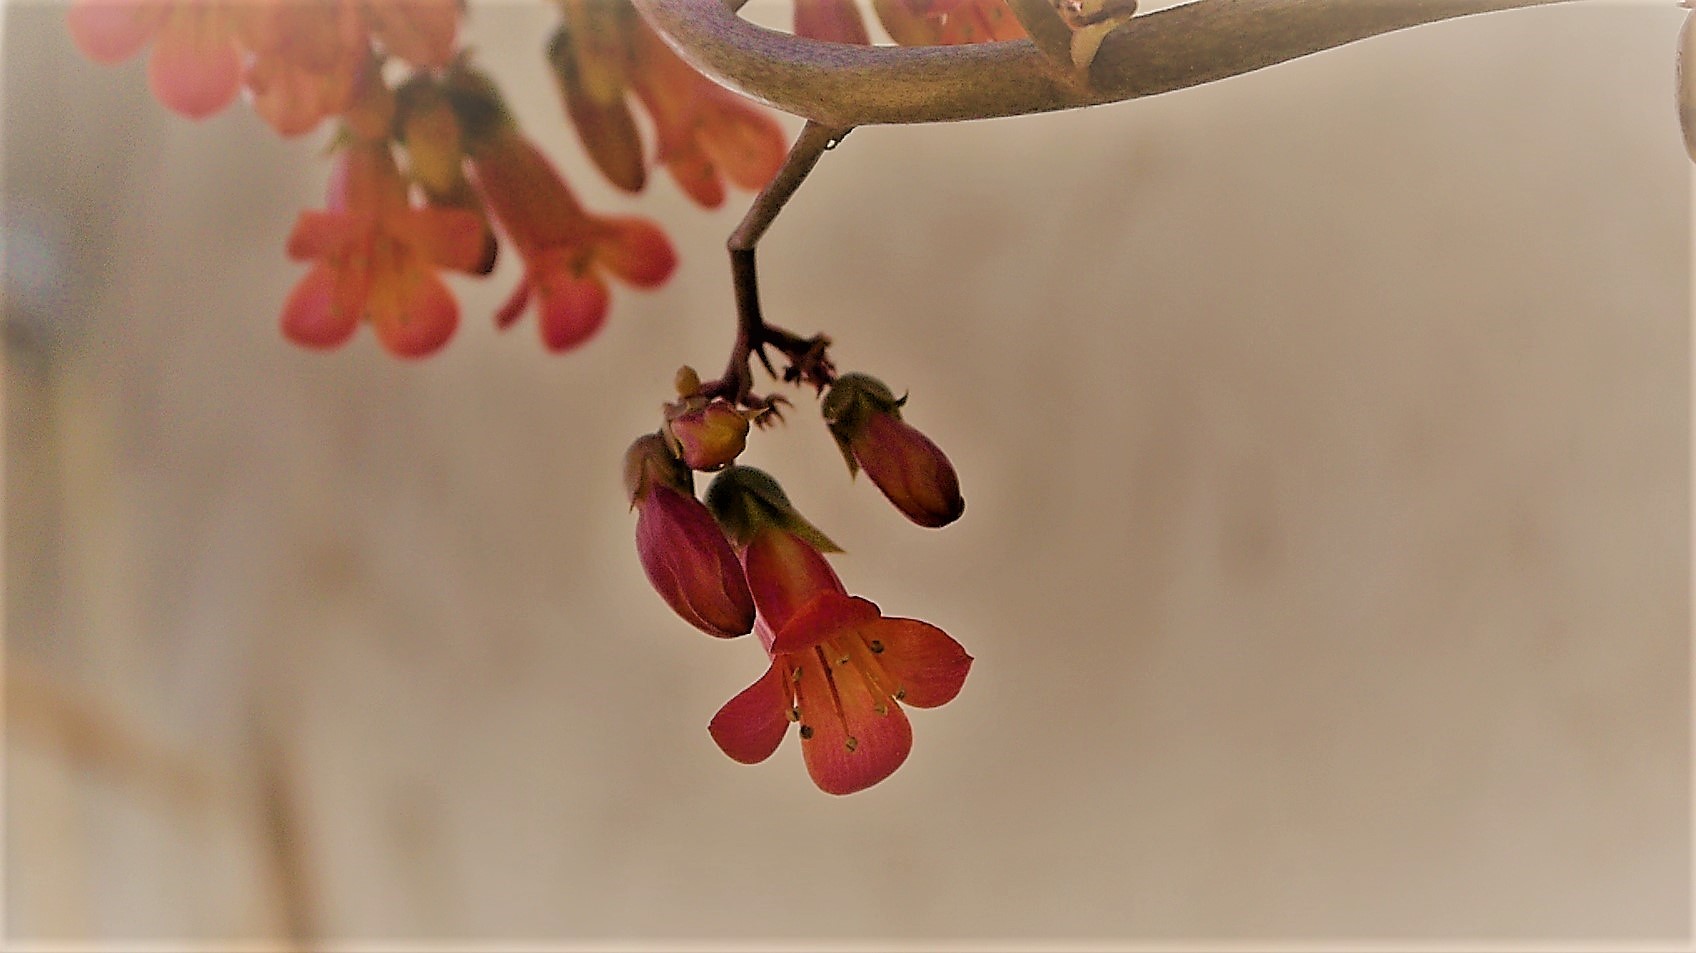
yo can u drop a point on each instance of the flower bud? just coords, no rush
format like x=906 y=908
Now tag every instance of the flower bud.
x=864 y=417
x=684 y=553
x=707 y=435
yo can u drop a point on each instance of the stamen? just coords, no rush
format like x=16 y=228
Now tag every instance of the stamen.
x=900 y=693
x=851 y=743
x=794 y=714
x=875 y=646
x=806 y=732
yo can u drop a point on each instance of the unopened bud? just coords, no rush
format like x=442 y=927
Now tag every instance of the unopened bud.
x=683 y=552
x=864 y=417
x=707 y=435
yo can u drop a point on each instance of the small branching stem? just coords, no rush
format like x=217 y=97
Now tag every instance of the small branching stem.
x=808 y=361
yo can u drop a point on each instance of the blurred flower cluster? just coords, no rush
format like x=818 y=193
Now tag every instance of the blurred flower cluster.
x=431 y=172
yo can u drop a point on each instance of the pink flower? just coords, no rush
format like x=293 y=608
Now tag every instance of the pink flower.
x=865 y=418
x=839 y=668
x=684 y=553
x=195 y=67
x=376 y=259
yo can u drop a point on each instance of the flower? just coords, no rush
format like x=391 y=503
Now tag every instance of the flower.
x=864 y=417
x=706 y=133
x=706 y=434
x=563 y=246
x=947 y=22
x=839 y=668
x=684 y=553
x=376 y=258
x=589 y=56
x=835 y=20
x=195 y=66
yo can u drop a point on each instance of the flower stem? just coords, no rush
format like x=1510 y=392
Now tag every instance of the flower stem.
x=808 y=362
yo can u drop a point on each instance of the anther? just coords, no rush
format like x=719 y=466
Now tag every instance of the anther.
x=875 y=646
x=900 y=693
x=842 y=661
x=794 y=714
x=851 y=743
x=806 y=732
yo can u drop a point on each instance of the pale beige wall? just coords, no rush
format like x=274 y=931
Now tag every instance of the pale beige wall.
x=1326 y=439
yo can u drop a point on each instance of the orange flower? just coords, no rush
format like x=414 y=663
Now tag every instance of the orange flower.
x=563 y=247
x=839 y=668
x=376 y=259
x=706 y=133
x=195 y=67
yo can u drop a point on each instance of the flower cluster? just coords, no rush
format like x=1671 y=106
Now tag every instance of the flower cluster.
x=744 y=560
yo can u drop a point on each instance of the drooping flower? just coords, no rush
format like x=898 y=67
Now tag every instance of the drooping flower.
x=707 y=133
x=864 y=417
x=564 y=248
x=376 y=259
x=683 y=552
x=590 y=58
x=840 y=669
x=308 y=55
x=195 y=66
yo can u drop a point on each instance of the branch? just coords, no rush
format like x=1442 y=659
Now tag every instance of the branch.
x=840 y=86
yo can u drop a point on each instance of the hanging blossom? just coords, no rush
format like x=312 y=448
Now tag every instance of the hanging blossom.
x=840 y=670
x=195 y=66
x=300 y=59
x=706 y=135
x=376 y=254
x=565 y=249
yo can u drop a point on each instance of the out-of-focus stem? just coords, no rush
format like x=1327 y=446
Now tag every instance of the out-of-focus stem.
x=840 y=86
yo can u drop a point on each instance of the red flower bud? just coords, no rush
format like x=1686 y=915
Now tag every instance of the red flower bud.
x=865 y=418
x=683 y=552
x=706 y=435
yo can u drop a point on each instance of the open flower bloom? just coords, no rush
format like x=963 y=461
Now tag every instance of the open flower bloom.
x=195 y=67
x=377 y=258
x=564 y=248
x=706 y=133
x=839 y=668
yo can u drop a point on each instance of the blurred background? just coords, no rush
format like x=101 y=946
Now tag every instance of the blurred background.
x=1326 y=437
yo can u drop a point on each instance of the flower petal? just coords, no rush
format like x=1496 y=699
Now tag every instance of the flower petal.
x=571 y=308
x=827 y=615
x=745 y=144
x=110 y=31
x=195 y=68
x=326 y=234
x=750 y=726
x=636 y=250
x=418 y=31
x=412 y=311
x=853 y=735
x=925 y=666
x=514 y=307
x=449 y=237
x=785 y=573
x=311 y=317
